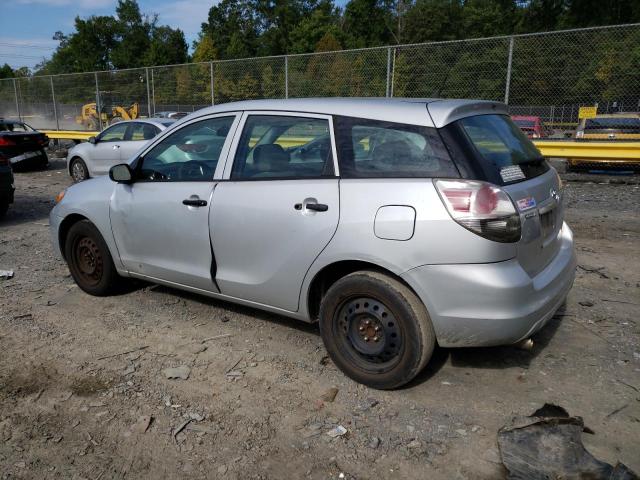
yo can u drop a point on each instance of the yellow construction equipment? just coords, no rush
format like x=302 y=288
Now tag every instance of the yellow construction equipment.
x=105 y=112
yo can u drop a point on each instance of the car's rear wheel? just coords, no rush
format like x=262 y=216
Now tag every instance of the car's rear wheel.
x=78 y=169
x=4 y=206
x=89 y=259
x=44 y=160
x=376 y=330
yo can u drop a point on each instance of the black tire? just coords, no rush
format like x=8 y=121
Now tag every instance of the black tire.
x=78 y=170
x=89 y=259
x=397 y=351
x=44 y=160
x=4 y=206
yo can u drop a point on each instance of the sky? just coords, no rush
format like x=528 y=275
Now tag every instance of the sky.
x=26 y=26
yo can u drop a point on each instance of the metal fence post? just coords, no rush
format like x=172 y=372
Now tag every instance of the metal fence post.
x=55 y=109
x=153 y=92
x=213 y=98
x=509 y=62
x=98 y=102
x=388 y=93
x=15 y=92
x=146 y=71
x=393 y=71
x=286 y=76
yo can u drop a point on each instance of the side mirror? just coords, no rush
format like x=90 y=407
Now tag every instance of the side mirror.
x=93 y=140
x=121 y=173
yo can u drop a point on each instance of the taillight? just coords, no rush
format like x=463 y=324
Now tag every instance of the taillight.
x=44 y=141
x=6 y=142
x=481 y=207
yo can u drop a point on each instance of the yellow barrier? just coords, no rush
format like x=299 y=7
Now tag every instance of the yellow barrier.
x=604 y=151
x=591 y=151
x=69 y=134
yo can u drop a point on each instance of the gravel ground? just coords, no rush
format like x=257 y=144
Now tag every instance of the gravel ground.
x=84 y=393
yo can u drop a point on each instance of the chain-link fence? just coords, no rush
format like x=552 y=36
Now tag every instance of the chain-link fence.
x=549 y=75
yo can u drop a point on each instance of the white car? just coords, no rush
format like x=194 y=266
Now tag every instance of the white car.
x=114 y=145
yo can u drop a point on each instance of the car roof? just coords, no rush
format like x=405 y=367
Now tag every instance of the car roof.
x=418 y=111
x=162 y=123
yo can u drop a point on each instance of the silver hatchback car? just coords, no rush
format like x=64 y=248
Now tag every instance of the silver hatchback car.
x=114 y=145
x=395 y=224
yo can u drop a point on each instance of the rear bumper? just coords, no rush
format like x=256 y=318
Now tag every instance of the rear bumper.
x=476 y=305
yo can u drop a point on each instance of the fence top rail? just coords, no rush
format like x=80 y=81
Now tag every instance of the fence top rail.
x=333 y=52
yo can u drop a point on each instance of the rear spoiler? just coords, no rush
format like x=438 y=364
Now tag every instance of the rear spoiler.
x=445 y=112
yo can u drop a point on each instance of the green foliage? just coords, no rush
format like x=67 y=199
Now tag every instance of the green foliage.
x=127 y=40
x=6 y=71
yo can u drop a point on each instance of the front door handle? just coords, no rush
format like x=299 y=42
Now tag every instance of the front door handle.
x=193 y=202
x=116 y=147
x=317 y=207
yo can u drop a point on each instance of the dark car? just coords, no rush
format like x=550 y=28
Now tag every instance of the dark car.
x=6 y=184
x=23 y=145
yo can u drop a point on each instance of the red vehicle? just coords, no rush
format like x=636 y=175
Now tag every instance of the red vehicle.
x=531 y=126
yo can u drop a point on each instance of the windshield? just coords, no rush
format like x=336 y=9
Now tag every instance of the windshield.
x=503 y=148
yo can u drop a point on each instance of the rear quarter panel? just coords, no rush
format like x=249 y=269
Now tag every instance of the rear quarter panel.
x=436 y=239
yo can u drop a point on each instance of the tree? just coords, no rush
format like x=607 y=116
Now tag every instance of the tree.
x=432 y=20
x=167 y=47
x=133 y=35
x=205 y=50
x=323 y=20
x=368 y=23
x=232 y=27
x=6 y=71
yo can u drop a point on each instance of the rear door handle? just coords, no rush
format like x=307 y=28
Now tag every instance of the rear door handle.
x=317 y=207
x=192 y=202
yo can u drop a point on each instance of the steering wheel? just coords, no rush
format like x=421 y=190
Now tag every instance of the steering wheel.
x=193 y=169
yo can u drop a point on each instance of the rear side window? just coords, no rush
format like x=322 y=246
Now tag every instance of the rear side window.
x=374 y=149
x=502 y=148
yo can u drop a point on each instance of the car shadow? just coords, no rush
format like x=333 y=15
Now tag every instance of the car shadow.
x=234 y=308
x=28 y=208
x=481 y=357
x=494 y=358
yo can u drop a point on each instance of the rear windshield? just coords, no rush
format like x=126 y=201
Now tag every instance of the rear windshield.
x=501 y=148
x=373 y=148
x=625 y=124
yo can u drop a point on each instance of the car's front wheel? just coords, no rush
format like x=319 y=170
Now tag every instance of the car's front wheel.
x=78 y=169
x=376 y=330
x=89 y=259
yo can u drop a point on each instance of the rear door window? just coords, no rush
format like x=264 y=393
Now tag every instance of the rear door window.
x=373 y=149
x=281 y=147
x=502 y=149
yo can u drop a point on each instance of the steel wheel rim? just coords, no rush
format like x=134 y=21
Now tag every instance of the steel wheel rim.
x=88 y=260
x=369 y=332
x=77 y=172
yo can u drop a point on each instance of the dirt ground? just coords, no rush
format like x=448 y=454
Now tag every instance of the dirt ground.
x=75 y=405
